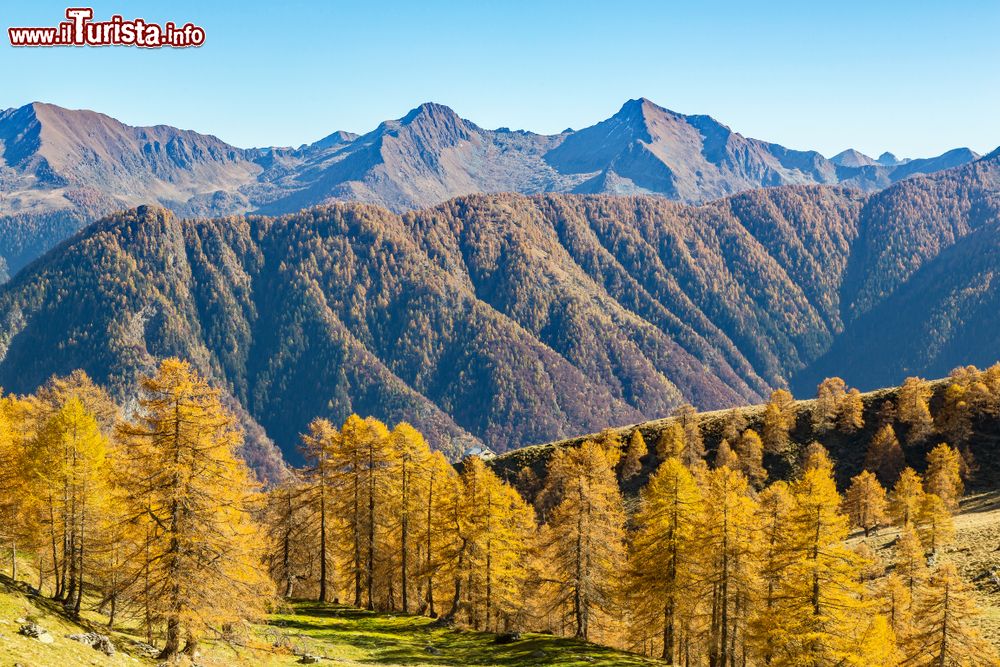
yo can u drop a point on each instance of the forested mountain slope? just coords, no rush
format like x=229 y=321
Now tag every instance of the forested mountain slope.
x=61 y=169
x=508 y=320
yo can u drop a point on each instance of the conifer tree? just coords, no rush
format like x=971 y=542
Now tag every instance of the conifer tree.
x=435 y=495
x=319 y=447
x=750 y=450
x=851 y=416
x=776 y=555
x=896 y=606
x=734 y=426
x=197 y=498
x=670 y=441
x=694 y=446
x=823 y=613
x=866 y=502
x=914 y=409
x=934 y=523
x=631 y=464
x=663 y=549
x=289 y=520
x=829 y=396
x=885 y=456
x=944 y=634
x=910 y=564
x=725 y=457
x=586 y=542
x=905 y=499
x=727 y=571
x=943 y=477
x=954 y=419
x=779 y=419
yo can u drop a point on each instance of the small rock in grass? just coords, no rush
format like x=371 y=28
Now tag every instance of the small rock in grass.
x=432 y=650
x=507 y=638
x=35 y=631
x=95 y=641
x=537 y=654
x=309 y=659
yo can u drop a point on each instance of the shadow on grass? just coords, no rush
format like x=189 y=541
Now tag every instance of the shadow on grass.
x=402 y=639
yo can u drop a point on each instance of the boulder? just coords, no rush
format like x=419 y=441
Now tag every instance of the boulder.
x=309 y=659
x=36 y=631
x=507 y=638
x=95 y=641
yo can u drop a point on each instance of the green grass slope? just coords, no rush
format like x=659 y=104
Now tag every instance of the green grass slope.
x=337 y=635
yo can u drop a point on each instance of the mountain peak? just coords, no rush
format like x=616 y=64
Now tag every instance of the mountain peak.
x=432 y=111
x=852 y=158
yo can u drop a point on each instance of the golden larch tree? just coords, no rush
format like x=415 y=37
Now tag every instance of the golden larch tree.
x=586 y=542
x=664 y=549
x=198 y=497
x=943 y=476
x=866 y=503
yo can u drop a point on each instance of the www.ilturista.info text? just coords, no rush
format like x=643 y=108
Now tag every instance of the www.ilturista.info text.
x=81 y=30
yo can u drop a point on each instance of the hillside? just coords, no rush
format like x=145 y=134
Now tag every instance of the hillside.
x=334 y=634
x=848 y=450
x=511 y=320
x=61 y=169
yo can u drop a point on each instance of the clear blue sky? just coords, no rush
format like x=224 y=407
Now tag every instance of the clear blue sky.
x=915 y=77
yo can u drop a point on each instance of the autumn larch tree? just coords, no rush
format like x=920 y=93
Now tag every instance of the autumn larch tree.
x=750 y=450
x=779 y=419
x=865 y=502
x=851 y=416
x=829 y=396
x=694 y=446
x=821 y=597
x=914 y=409
x=934 y=523
x=905 y=498
x=587 y=535
x=205 y=553
x=944 y=635
x=943 y=476
x=663 y=548
x=776 y=554
x=727 y=571
x=631 y=464
x=319 y=447
x=884 y=456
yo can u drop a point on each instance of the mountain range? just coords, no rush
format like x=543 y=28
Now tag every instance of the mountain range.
x=61 y=169
x=506 y=319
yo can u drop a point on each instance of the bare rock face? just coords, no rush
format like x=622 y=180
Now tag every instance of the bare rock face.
x=61 y=169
